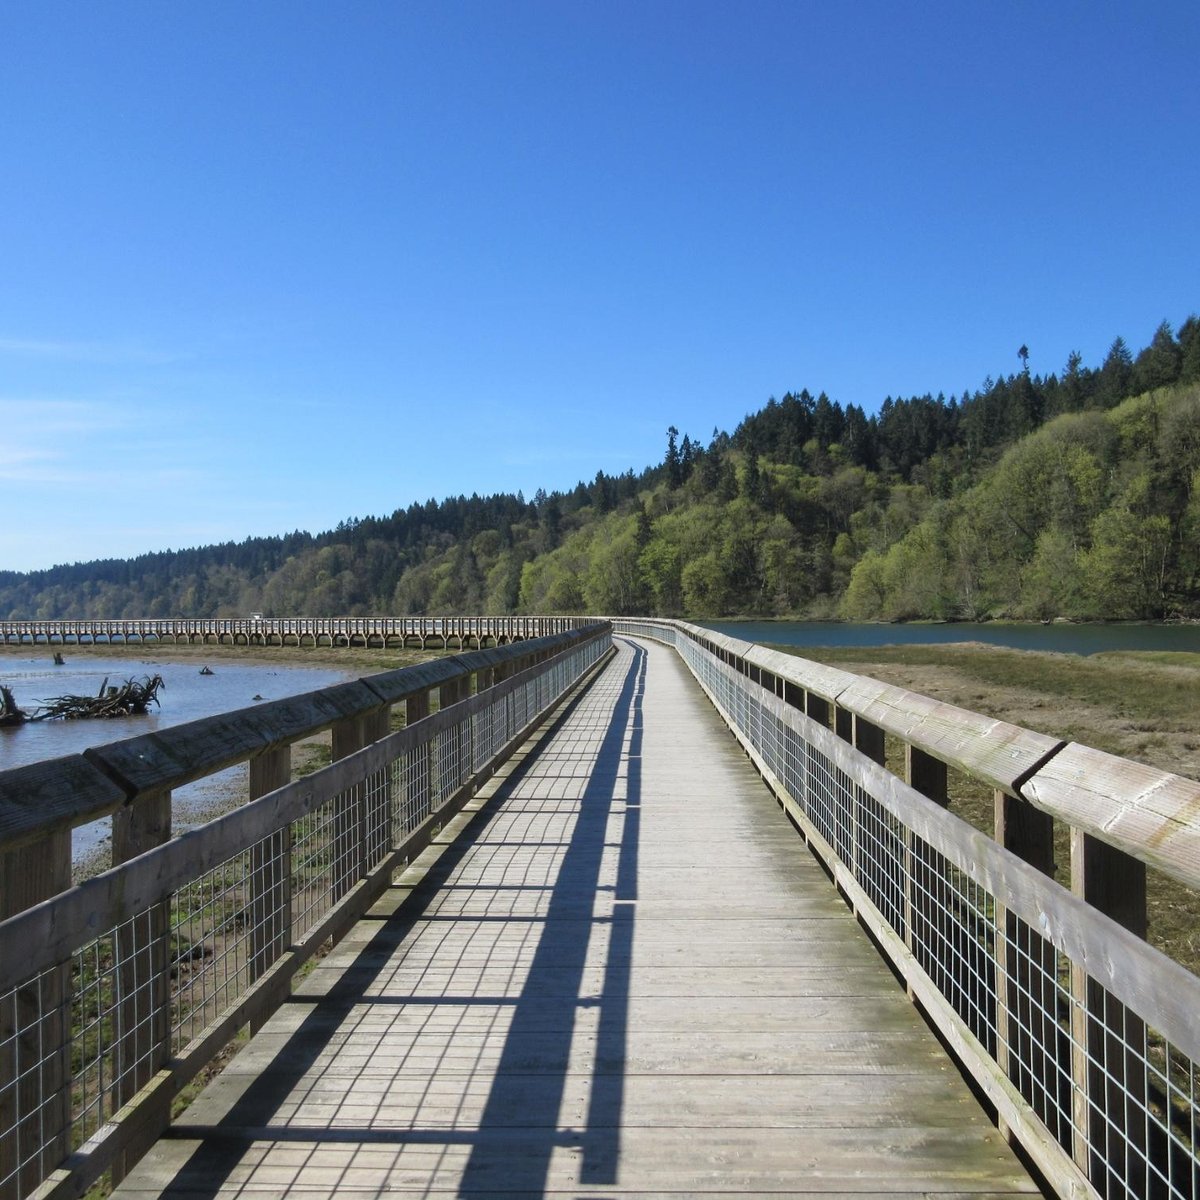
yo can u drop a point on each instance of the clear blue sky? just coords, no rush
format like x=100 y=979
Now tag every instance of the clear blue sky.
x=267 y=266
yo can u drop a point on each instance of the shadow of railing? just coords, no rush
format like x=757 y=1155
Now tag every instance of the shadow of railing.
x=545 y=1017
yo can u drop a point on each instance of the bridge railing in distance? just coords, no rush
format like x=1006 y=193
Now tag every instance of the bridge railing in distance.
x=1084 y=1038
x=459 y=633
x=114 y=994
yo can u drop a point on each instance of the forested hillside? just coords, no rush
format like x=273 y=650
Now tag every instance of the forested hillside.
x=1076 y=494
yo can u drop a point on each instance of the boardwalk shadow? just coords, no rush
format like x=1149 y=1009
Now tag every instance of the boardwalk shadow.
x=559 y=995
x=554 y=991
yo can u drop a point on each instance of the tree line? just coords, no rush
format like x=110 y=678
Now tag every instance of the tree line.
x=1070 y=494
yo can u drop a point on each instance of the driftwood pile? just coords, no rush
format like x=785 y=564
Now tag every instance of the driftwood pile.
x=128 y=699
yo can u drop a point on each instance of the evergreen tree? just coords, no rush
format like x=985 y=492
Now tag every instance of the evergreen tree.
x=672 y=464
x=1159 y=364
x=1189 y=350
x=1115 y=375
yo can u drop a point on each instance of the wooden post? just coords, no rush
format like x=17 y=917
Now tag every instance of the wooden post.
x=817 y=708
x=35 y=1029
x=1108 y=1039
x=1029 y=1044
x=868 y=740
x=142 y=1036
x=928 y=776
x=843 y=723
x=270 y=868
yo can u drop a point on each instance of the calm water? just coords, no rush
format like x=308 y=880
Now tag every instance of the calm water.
x=1069 y=639
x=185 y=696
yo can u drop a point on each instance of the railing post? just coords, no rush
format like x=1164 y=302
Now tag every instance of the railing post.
x=843 y=723
x=868 y=740
x=817 y=707
x=927 y=775
x=1027 y=1032
x=35 y=1028
x=1108 y=1039
x=270 y=868
x=142 y=1036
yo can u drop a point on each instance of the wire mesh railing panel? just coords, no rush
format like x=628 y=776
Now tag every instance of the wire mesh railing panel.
x=1135 y=1118
x=822 y=799
x=881 y=860
x=317 y=865
x=378 y=835
x=216 y=927
x=1173 y=1105
x=410 y=791
x=1034 y=1034
x=36 y=1081
x=77 y=1041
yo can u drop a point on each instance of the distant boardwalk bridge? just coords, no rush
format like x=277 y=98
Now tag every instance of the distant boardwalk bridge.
x=424 y=633
x=616 y=908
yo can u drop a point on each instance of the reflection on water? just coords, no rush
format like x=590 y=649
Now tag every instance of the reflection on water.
x=186 y=696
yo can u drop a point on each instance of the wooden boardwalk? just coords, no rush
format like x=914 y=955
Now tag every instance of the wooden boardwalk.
x=625 y=976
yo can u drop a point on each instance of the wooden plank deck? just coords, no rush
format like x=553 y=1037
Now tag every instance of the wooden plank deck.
x=626 y=976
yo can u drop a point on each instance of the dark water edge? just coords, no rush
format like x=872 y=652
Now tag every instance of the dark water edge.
x=1063 y=638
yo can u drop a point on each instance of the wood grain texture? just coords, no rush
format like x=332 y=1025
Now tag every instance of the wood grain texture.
x=1151 y=814
x=59 y=792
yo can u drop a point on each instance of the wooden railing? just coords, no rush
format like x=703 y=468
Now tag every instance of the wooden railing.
x=426 y=632
x=1084 y=1038
x=116 y=993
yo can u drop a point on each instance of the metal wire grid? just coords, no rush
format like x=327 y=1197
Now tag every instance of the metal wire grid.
x=215 y=929
x=1135 y=1123
x=1034 y=1029
x=34 y=1097
x=882 y=859
x=319 y=861
x=484 y=728
x=1173 y=1082
x=379 y=836
x=449 y=774
x=954 y=939
x=410 y=790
